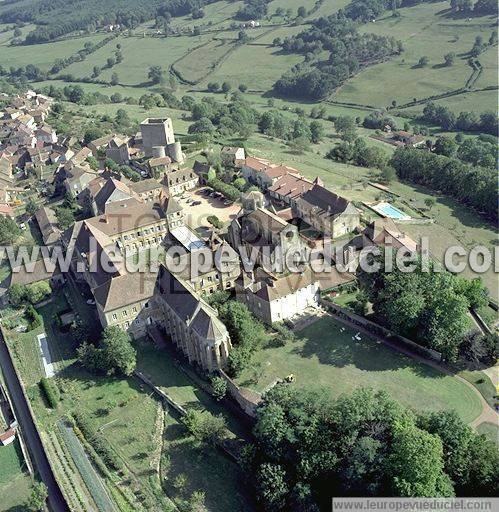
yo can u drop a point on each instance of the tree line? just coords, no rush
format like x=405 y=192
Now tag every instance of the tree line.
x=309 y=447
x=54 y=19
x=486 y=122
x=471 y=185
x=348 y=50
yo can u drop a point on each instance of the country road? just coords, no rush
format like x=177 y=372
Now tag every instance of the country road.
x=56 y=499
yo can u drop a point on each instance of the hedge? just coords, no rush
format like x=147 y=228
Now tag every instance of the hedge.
x=50 y=391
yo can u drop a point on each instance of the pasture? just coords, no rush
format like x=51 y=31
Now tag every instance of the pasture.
x=43 y=55
x=326 y=357
x=425 y=30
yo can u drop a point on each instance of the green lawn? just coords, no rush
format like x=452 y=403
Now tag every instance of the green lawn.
x=15 y=482
x=160 y=366
x=326 y=357
x=11 y=462
x=490 y=431
x=222 y=482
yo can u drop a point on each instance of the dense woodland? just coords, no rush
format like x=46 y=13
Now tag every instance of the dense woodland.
x=309 y=448
x=55 y=18
x=348 y=52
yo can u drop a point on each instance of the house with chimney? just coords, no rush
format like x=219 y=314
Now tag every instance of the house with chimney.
x=327 y=212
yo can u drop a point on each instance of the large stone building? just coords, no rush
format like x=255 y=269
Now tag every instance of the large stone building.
x=258 y=230
x=276 y=298
x=192 y=325
x=158 y=139
x=326 y=212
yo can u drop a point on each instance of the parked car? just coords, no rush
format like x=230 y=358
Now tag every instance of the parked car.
x=196 y=203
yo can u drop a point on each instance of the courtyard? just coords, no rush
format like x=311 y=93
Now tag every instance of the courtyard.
x=327 y=355
x=203 y=207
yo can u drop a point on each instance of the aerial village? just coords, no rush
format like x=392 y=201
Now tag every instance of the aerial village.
x=169 y=206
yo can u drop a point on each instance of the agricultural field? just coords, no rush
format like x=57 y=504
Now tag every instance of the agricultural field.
x=209 y=53
x=43 y=55
x=326 y=357
x=425 y=30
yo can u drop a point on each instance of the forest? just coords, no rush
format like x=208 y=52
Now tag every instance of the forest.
x=309 y=448
x=59 y=17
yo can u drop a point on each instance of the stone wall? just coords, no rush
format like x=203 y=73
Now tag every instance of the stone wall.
x=248 y=400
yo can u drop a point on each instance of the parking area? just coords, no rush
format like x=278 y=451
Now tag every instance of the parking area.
x=198 y=206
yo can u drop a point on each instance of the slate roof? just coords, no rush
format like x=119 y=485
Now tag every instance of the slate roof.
x=47 y=222
x=325 y=201
x=126 y=289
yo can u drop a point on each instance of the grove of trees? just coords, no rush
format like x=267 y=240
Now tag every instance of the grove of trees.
x=428 y=307
x=309 y=448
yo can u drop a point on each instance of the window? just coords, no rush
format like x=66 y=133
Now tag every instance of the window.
x=125 y=313
x=146 y=305
x=115 y=316
x=137 y=321
x=127 y=325
x=134 y=309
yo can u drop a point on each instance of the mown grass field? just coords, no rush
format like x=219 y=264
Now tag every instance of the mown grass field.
x=324 y=357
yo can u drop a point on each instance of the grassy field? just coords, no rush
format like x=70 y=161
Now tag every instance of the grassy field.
x=43 y=55
x=424 y=29
x=205 y=470
x=325 y=357
x=161 y=367
x=265 y=64
x=209 y=54
x=15 y=483
x=468 y=101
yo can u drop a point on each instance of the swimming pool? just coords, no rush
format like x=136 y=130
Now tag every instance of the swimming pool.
x=387 y=210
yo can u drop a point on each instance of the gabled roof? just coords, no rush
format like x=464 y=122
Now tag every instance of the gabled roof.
x=139 y=187
x=47 y=222
x=267 y=220
x=324 y=201
x=111 y=186
x=127 y=215
x=125 y=289
x=208 y=326
x=291 y=185
x=189 y=308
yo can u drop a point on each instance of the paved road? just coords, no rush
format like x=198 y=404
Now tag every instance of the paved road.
x=56 y=499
